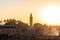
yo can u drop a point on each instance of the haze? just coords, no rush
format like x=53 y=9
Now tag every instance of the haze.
x=21 y=9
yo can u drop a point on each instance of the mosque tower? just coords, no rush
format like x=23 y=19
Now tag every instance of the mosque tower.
x=31 y=20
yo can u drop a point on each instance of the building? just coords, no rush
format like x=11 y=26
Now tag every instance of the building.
x=9 y=29
x=31 y=20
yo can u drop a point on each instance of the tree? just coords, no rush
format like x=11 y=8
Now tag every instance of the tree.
x=0 y=22
x=38 y=29
x=38 y=26
x=22 y=25
x=10 y=22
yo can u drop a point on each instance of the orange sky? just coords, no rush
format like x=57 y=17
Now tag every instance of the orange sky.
x=20 y=9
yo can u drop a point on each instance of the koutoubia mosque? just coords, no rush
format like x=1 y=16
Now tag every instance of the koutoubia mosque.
x=31 y=20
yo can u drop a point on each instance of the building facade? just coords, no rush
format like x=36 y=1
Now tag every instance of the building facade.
x=9 y=30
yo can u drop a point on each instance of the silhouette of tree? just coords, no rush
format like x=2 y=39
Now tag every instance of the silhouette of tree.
x=38 y=29
x=18 y=23
x=5 y=21
x=1 y=22
x=10 y=22
x=38 y=26
x=22 y=25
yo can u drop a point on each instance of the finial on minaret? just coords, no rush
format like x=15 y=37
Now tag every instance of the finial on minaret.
x=31 y=19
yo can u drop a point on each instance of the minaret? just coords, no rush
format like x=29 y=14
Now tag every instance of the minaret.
x=31 y=20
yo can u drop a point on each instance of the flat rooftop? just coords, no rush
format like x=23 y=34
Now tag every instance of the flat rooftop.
x=7 y=26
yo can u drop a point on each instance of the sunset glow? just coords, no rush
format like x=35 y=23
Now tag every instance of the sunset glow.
x=30 y=19
x=43 y=11
x=51 y=14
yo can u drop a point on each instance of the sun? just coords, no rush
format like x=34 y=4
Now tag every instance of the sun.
x=50 y=15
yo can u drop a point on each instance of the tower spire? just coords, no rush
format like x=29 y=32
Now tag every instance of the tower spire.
x=31 y=19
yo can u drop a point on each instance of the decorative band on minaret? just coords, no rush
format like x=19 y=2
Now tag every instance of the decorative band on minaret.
x=31 y=20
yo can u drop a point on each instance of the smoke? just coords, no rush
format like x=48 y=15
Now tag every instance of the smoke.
x=50 y=32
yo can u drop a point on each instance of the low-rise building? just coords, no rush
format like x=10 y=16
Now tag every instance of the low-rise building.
x=9 y=30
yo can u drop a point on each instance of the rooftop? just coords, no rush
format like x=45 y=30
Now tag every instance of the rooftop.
x=7 y=26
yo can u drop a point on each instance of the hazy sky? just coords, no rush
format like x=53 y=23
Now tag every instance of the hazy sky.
x=20 y=9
